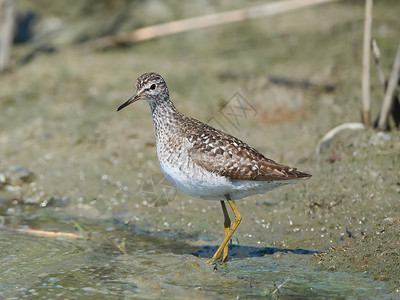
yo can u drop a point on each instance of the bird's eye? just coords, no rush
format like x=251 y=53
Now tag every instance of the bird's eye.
x=153 y=87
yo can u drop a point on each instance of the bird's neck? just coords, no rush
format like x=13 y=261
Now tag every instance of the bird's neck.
x=165 y=116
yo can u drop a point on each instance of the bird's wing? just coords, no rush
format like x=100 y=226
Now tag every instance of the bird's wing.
x=228 y=156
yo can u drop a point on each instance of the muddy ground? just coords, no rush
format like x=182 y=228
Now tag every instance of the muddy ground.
x=69 y=161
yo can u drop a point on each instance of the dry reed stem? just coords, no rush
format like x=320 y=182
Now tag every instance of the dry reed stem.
x=7 y=14
x=184 y=25
x=43 y=232
x=377 y=57
x=388 y=98
x=365 y=77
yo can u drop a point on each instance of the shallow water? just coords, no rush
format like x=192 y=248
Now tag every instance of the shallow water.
x=156 y=264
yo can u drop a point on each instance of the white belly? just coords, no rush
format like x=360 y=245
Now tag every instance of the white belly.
x=195 y=181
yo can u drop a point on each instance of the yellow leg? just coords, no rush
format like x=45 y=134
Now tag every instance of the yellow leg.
x=227 y=225
x=228 y=236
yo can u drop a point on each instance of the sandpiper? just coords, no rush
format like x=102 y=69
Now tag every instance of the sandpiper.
x=205 y=162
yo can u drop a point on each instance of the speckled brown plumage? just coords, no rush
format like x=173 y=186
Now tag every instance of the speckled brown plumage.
x=228 y=156
x=188 y=142
x=205 y=162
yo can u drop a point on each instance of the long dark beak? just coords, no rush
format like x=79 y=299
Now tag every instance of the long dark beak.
x=134 y=98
